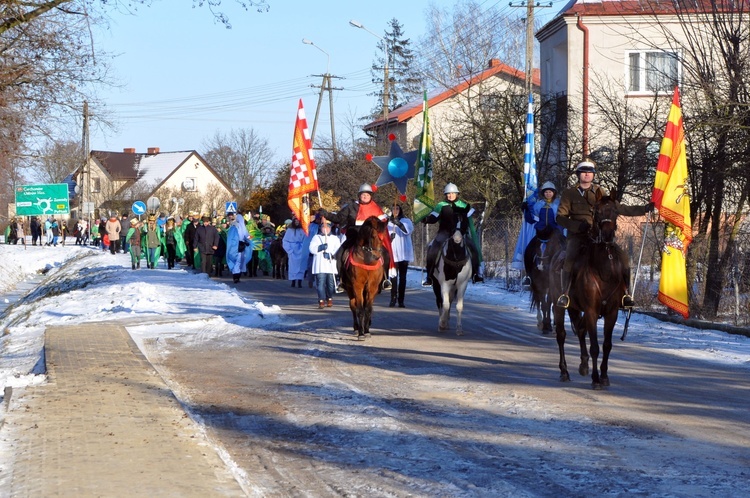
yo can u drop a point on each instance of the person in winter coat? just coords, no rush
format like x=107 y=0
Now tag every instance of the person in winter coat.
x=36 y=231
x=113 y=229
x=206 y=241
x=541 y=213
x=294 y=245
x=576 y=214
x=447 y=213
x=55 y=229
x=323 y=247
x=350 y=218
x=124 y=228
x=134 y=239
x=189 y=228
x=48 y=231
x=239 y=247
x=400 y=228
x=170 y=242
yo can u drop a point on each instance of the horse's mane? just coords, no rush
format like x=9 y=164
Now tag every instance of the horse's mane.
x=368 y=231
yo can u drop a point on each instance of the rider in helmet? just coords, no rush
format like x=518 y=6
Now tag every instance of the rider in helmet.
x=452 y=213
x=576 y=214
x=350 y=218
x=542 y=214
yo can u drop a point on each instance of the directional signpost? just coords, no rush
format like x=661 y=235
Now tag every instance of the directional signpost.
x=139 y=208
x=42 y=200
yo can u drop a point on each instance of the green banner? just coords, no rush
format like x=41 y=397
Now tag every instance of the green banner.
x=42 y=200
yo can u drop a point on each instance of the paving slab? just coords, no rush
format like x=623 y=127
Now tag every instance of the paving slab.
x=106 y=424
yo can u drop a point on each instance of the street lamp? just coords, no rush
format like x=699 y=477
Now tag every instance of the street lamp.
x=386 y=94
x=328 y=64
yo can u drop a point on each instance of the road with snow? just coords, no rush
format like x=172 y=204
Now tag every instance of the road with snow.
x=302 y=409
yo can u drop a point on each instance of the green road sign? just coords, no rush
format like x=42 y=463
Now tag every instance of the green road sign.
x=42 y=200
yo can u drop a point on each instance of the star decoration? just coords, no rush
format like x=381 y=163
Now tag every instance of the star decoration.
x=397 y=166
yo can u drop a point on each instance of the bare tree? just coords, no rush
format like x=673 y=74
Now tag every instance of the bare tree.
x=242 y=158
x=56 y=161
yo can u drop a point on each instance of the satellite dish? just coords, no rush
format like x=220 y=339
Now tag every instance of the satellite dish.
x=188 y=184
x=153 y=203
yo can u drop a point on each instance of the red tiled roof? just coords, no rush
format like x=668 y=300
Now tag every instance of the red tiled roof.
x=411 y=109
x=649 y=7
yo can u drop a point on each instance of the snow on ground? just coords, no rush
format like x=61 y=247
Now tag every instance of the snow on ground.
x=82 y=284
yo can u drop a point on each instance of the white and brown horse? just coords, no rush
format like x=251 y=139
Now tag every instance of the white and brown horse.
x=450 y=278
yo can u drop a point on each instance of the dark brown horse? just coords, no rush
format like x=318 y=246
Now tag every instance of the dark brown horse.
x=596 y=290
x=279 y=258
x=363 y=274
x=538 y=257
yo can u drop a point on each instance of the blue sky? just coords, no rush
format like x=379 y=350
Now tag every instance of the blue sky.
x=184 y=77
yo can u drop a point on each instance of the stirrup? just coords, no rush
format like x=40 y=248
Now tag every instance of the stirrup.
x=386 y=285
x=526 y=282
x=427 y=282
x=627 y=301
x=563 y=301
x=477 y=279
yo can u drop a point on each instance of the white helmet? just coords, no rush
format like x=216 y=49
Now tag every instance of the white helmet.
x=586 y=166
x=451 y=188
x=548 y=186
x=365 y=187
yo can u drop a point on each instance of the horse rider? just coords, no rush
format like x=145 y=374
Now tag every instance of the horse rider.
x=452 y=213
x=541 y=213
x=576 y=214
x=350 y=218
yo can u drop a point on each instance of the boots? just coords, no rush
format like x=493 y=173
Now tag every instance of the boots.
x=564 y=301
x=138 y=264
x=627 y=300
x=134 y=266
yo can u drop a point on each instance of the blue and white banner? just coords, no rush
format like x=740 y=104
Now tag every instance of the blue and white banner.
x=530 y=187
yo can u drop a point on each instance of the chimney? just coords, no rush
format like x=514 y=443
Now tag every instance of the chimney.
x=129 y=150
x=153 y=150
x=494 y=63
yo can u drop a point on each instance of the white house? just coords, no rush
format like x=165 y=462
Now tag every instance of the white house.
x=111 y=178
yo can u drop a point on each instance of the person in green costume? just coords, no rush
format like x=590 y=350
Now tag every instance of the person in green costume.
x=452 y=213
x=152 y=242
x=134 y=240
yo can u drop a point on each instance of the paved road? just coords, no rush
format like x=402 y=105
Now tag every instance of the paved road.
x=478 y=415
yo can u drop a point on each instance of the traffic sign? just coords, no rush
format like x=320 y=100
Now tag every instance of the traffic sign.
x=230 y=207
x=42 y=200
x=139 y=208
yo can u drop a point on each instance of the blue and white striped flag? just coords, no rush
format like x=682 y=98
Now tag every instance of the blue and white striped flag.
x=530 y=186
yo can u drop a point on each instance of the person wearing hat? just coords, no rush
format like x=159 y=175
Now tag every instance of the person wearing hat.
x=450 y=214
x=113 y=229
x=350 y=218
x=153 y=241
x=205 y=242
x=239 y=249
x=124 y=229
x=542 y=213
x=576 y=214
x=133 y=238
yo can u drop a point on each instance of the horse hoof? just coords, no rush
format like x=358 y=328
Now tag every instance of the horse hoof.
x=360 y=337
x=583 y=370
x=597 y=386
x=368 y=335
x=564 y=377
x=605 y=381
x=459 y=332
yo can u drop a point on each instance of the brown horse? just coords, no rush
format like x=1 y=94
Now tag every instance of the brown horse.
x=279 y=258
x=538 y=259
x=596 y=290
x=363 y=273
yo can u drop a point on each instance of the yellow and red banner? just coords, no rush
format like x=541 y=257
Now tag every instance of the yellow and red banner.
x=670 y=196
x=303 y=178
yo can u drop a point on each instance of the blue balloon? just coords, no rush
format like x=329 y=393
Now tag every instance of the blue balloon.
x=397 y=167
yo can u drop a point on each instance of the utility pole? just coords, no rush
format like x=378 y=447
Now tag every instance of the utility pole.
x=530 y=38
x=86 y=169
x=325 y=86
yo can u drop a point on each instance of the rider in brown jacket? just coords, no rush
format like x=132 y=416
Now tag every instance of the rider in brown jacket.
x=576 y=214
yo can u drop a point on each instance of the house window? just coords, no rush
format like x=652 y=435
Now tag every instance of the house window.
x=96 y=185
x=652 y=71
x=189 y=185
